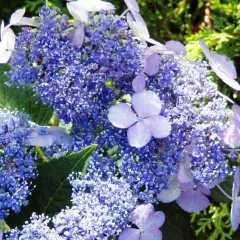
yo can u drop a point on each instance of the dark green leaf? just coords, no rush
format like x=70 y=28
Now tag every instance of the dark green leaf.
x=177 y=225
x=53 y=190
x=23 y=100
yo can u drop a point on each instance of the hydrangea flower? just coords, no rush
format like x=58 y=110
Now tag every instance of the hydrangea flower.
x=148 y=222
x=235 y=208
x=184 y=191
x=36 y=228
x=222 y=66
x=231 y=135
x=145 y=122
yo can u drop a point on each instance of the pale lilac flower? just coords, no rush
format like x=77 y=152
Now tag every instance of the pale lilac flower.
x=139 y=29
x=47 y=136
x=188 y=197
x=145 y=122
x=79 y=9
x=148 y=222
x=172 y=193
x=235 y=209
x=132 y=5
x=222 y=66
x=8 y=37
x=231 y=135
x=139 y=82
x=152 y=64
x=1 y=234
x=192 y=199
x=176 y=47
x=78 y=36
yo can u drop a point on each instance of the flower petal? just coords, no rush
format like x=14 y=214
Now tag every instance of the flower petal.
x=159 y=126
x=138 y=135
x=139 y=82
x=130 y=234
x=121 y=115
x=177 y=47
x=78 y=36
x=140 y=216
x=235 y=214
x=155 y=220
x=204 y=190
x=228 y=80
x=47 y=136
x=152 y=64
x=17 y=16
x=132 y=5
x=146 y=104
x=138 y=18
x=77 y=12
x=184 y=174
x=26 y=21
x=235 y=116
x=105 y=6
x=171 y=194
x=5 y=56
x=224 y=64
x=192 y=201
x=41 y=140
x=205 y=49
x=236 y=183
x=153 y=234
x=10 y=38
x=139 y=30
x=231 y=136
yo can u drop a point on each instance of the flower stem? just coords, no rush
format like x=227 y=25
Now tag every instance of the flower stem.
x=224 y=193
x=41 y=154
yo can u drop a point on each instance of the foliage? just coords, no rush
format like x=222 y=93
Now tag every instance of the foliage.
x=213 y=223
x=23 y=100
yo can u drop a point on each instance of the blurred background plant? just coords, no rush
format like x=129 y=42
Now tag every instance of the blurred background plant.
x=217 y=22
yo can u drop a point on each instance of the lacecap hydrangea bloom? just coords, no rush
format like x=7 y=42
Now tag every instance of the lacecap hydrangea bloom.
x=100 y=209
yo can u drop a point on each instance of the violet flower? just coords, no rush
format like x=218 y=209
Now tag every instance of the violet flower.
x=235 y=209
x=191 y=198
x=231 y=135
x=148 y=222
x=222 y=66
x=145 y=122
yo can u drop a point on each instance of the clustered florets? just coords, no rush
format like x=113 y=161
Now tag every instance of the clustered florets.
x=88 y=82
x=16 y=162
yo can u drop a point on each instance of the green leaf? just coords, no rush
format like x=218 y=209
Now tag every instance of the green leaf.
x=177 y=224
x=3 y=226
x=23 y=99
x=218 y=196
x=53 y=190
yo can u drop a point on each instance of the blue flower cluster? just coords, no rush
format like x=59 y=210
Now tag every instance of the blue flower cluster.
x=78 y=83
x=16 y=162
x=98 y=212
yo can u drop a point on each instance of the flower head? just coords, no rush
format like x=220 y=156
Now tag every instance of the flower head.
x=145 y=122
x=222 y=66
x=148 y=222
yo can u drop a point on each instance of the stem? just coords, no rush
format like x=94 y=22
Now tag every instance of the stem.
x=224 y=193
x=46 y=2
x=121 y=15
x=225 y=97
x=41 y=154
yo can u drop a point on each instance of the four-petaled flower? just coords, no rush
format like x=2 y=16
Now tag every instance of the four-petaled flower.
x=145 y=123
x=148 y=221
x=222 y=66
